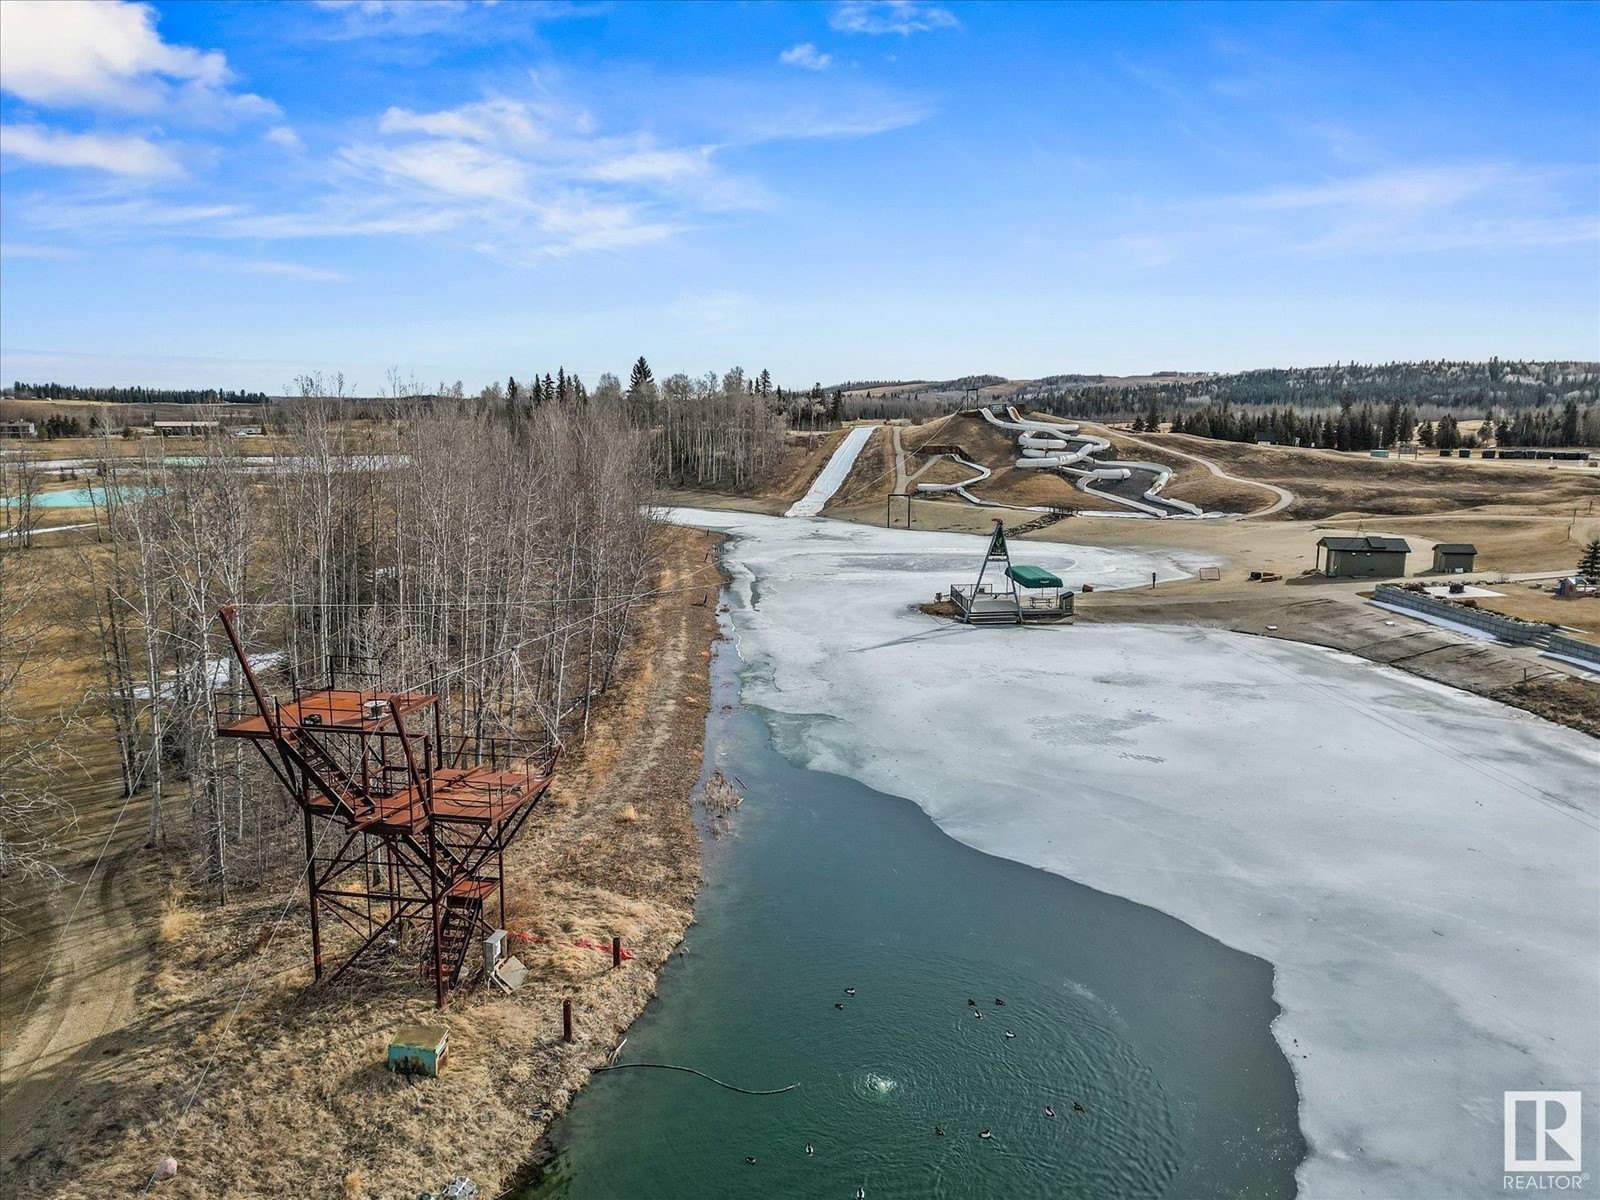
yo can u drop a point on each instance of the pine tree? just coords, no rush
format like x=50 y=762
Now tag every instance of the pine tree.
x=1569 y=423
x=1589 y=564
x=641 y=380
x=764 y=383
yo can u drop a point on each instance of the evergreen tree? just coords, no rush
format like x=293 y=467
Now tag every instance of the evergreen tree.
x=764 y=383
x=641 y=381
x=1589 y=564
x=1569 y=423
x=1447 y=436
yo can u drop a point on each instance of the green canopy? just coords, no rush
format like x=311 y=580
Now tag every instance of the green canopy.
x=1033 y=577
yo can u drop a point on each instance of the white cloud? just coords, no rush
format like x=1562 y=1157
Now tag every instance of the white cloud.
x=647 y=166
x=292 y=271
x=1484 y=205
x=486 y=122
x=283 y=135
x=32 y=250
x=533 y=179
x=904 y=17
x=73 y=53
x=117 y=154
x=443 y=167
x=1409 y=190
x=807 y=56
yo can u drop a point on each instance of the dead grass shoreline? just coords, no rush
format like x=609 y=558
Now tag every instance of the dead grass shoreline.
x=292 y=1095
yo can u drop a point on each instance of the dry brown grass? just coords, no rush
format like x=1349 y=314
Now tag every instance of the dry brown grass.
x=1327 y=483
x=293 y=1096
x=178 y=920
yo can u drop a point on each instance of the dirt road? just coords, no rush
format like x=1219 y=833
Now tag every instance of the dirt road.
x=1284 y=496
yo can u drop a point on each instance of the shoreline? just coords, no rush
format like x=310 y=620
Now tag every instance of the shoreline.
x=615 y=849
x=1352 y=626
x=1182 y=801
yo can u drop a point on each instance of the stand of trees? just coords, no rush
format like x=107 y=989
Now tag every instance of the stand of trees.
x=499 y=568
x=133 y=395
x=1369 y=427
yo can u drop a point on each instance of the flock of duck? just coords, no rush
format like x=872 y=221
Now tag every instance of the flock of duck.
x=938 y=1130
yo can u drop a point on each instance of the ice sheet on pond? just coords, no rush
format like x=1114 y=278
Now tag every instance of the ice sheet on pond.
x=1419 y=864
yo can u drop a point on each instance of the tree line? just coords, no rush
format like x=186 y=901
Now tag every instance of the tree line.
x=1371 y=427
x=133 y=395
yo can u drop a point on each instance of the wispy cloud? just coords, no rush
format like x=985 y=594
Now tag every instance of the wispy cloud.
x=291 y=270
x=806 y=56
x=1486 y=205
x=903 y=17
x=714 y=311
x=535 y=178
x=284 y=136
x=31 y=250
x=116 y=154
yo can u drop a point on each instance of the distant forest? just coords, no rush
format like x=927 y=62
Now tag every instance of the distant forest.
x=1346 y=406
x=132 y=395
x=1356 y=407
x=1461 y=387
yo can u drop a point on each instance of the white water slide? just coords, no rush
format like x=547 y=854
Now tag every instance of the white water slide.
x=1049 y=446
x=834 y=474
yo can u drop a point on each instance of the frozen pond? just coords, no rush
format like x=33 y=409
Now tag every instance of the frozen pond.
x=1160 y=1034
x=1418 y=864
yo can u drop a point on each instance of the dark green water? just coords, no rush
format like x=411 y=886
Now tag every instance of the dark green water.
x=1159 y=1032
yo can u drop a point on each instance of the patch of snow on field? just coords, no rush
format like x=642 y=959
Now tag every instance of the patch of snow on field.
x=1419 y=864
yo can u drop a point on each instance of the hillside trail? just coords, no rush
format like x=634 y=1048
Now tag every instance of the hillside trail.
x=88 y=982
x=1285 y=496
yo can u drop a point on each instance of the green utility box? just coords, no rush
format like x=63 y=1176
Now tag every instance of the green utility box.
x=419 y=1050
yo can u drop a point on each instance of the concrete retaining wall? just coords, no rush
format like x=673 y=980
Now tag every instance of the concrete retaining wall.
x=1507 y=629
x=1571 y=648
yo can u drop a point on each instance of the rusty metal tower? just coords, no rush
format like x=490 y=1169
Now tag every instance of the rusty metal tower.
x=420 y=818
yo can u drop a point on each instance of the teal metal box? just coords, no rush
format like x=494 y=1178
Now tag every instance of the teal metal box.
x=419 y=1050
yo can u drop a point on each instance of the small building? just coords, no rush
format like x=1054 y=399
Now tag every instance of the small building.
x=18 y=429
x=1453 y=558
x=184 y=428
x=1366 y=557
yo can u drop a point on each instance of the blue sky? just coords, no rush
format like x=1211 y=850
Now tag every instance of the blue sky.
x=230 y=194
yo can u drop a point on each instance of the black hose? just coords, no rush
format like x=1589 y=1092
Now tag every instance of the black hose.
x=703 y=1075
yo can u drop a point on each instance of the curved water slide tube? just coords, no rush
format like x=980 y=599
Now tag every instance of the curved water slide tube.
x=1038 y=438
x=960 y=489
x=832 y=477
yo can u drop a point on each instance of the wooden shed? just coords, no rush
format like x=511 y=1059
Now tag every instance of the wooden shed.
x=1454 y=558
x=1366 y=557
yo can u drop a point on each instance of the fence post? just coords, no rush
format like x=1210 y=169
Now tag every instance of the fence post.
x=566 y=1020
